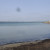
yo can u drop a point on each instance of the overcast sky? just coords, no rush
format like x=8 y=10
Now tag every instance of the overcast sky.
x=31 y=10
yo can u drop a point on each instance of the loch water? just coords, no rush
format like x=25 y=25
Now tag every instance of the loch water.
x=11 y=32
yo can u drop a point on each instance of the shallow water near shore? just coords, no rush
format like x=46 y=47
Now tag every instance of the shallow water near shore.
x=11 y=32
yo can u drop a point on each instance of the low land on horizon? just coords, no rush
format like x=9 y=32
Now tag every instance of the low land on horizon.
x=25 y=21
x=20 y=21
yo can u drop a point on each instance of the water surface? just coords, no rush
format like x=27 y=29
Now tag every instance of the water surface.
x=11 y=32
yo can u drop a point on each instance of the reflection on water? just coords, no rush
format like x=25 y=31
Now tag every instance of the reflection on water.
x=18 y=32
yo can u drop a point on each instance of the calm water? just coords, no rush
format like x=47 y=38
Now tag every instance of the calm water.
x=19 y=32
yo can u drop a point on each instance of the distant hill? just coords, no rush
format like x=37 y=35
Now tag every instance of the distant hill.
x=47 y=22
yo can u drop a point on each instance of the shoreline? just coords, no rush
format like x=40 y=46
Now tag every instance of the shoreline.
x=26 y=44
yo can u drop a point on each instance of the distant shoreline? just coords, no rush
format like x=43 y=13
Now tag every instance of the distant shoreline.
x=20 y=22
x=26 y=22
x=47 y=22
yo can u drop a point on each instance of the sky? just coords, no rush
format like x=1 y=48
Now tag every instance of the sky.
x=30 y=10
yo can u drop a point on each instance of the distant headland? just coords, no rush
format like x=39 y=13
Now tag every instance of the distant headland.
x=47 y=22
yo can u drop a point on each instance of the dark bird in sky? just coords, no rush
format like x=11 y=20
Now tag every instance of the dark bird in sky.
x=18 y=10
